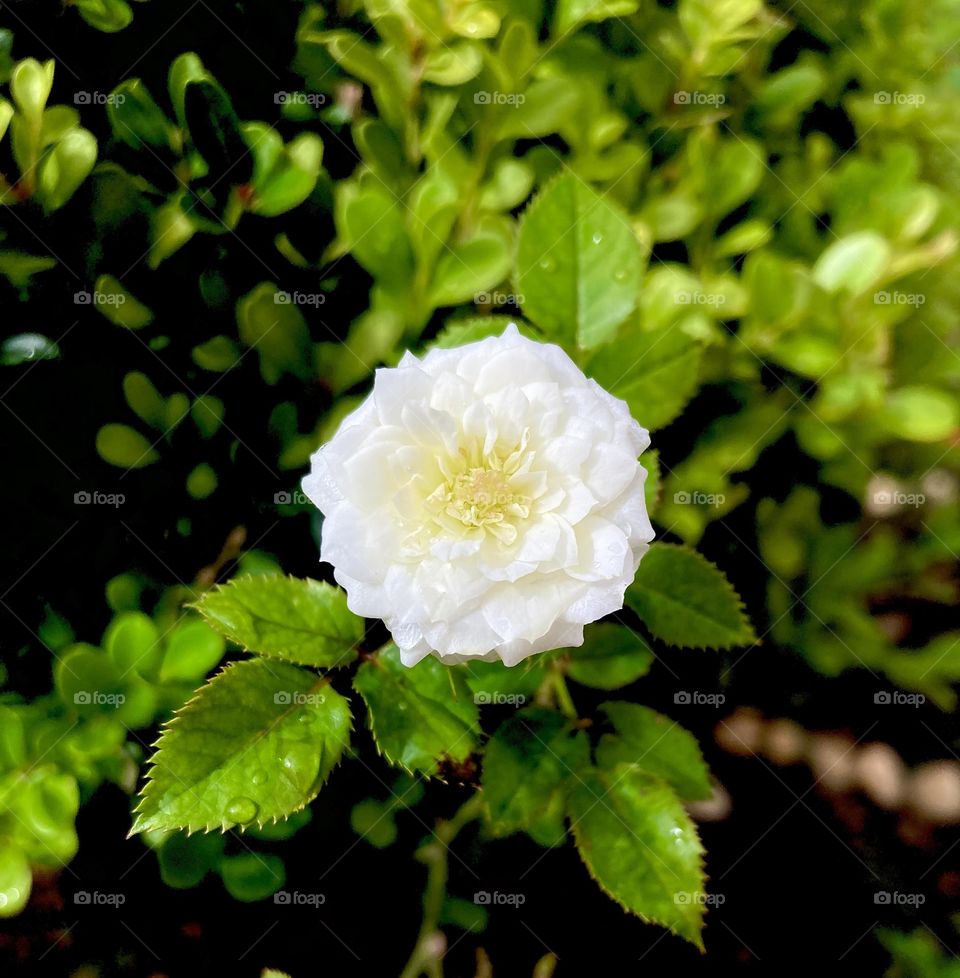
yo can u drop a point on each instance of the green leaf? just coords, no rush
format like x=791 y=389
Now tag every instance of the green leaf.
x=474 y=265
x=132 y=641
x=283 y=177
x=302 y=621
x=610 y=657
x=108 y=16
x=207 y=413
x=255 y=744
x=252 y=876
x=136 y=118
x=546 y=105
x=474 y=328
x=853 y=264
x=218 y=354
x=65 y=167
x=119 y=305
x=526 y=767
x=171 y=229
x=215 y=131
x=120 y=445
x=656 y=373
x=269 y=323
x=685 y=600
x=921 y=414
x=193 y=649
x=184 y=860
x=641 y=847
x=419 y=716
x=146 y=402
x=578 y=264
x=371 y=223
x=656 y=745
x=572 y=13
x=30 y=85
x=16 y=880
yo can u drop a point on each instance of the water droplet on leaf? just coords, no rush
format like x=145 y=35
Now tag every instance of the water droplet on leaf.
x=242 y=810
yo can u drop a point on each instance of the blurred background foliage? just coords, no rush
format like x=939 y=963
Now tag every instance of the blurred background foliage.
x=216 y=223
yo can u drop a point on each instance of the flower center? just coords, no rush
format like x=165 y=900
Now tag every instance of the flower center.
x=483 y=492
x=481 y=496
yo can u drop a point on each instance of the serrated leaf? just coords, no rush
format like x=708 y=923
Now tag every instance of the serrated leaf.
x=610 y=657
x=578 y=264
x=641 y=847
x=655 y=372
x=526 y=766
x=657 y=745
x=254 y=745
x=302 y=621
x=686 y=601
x=419 y=716
x=474 y=328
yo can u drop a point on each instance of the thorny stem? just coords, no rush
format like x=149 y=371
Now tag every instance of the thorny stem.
x=427 y=955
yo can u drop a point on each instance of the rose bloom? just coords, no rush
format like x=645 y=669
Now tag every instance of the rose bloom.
x=486 y=502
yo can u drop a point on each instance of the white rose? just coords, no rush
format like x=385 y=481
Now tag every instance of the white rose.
x=486 y=502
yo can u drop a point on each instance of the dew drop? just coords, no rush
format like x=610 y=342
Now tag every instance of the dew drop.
x=597 y=237
x=548 y=264
x=300 y=764
x=620 y=275
x=259 y=777
x=242 y=810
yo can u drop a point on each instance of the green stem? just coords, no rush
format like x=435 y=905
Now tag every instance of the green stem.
x=562 y=693
x=427 y=955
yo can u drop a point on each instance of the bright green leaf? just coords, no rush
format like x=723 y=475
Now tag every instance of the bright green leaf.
x=302 y=621
x=578 y=264
x=686 y=601
x=526 y=767
x=255 y=744
x=610 y=657
x=656 y=745
x=641 y=847
x=419 y=716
